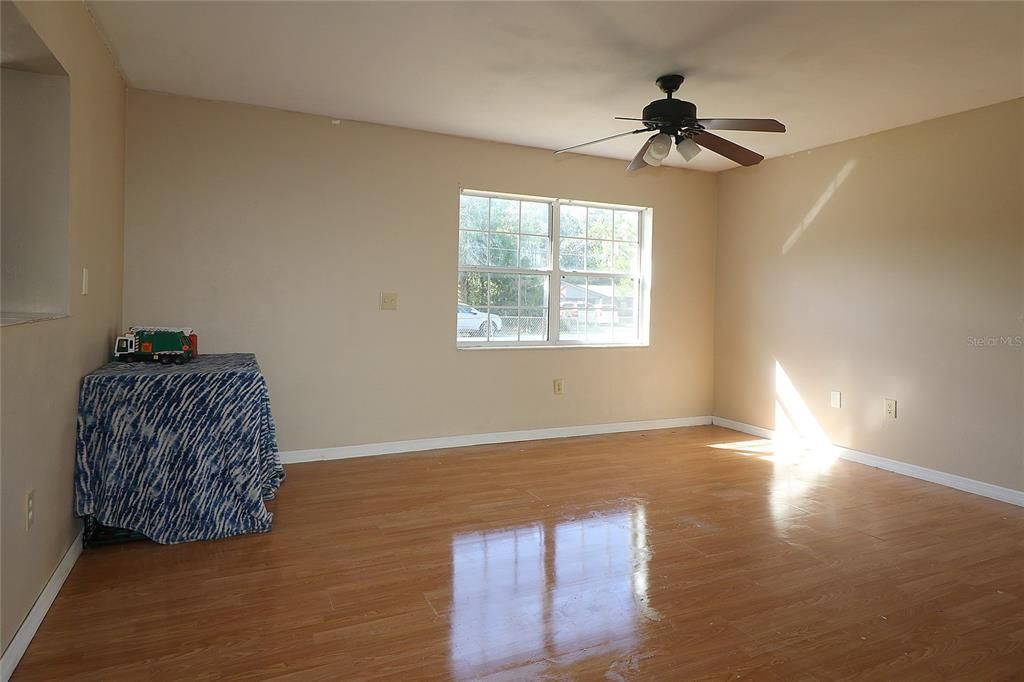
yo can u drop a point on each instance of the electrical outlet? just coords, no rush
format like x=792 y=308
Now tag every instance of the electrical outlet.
x=85 y=281
x=30 y=509
x=890 y=408
x=559 y=386
x=837 y=399
x=388 y=300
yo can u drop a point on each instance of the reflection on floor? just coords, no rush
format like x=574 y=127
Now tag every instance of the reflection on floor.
x=680 y=554
x=569 y=588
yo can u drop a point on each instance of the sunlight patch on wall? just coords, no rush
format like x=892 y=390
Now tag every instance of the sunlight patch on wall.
x=808 y=219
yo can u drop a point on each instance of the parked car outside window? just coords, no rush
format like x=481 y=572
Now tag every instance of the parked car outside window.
x=475 y=323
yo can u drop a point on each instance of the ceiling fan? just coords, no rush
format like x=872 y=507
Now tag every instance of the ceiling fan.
x=675 y=120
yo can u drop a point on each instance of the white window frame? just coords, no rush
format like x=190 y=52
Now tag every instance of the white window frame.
x=555 y=274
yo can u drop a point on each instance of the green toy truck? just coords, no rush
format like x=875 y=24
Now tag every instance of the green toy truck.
x=163 y=344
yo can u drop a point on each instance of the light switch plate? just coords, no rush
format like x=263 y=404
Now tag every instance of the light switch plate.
x=85 y=281
x=388 y=300
x=837 y=399
x=559 y=386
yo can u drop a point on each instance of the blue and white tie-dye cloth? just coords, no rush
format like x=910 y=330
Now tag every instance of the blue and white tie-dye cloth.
x=178 y=452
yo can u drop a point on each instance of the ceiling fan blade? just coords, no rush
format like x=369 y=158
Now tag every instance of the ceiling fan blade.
x=638 y=161
x=603 y=139
x=642 y=120
x=730 y=150
x=760 y=125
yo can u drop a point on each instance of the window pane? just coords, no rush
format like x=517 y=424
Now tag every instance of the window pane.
x=572 y=296
x=471 y=313
x=571 y=254
x=472 y=326
x=599 y=324
x=599 y=256
x=472 y=248
x=504 y=215
x=504 y=290
x=473 y=289
x=626 y=309
x=533 y=324
x=570 y=324
x=573 y=221
x=533 y=291
x=573 y=292
x=535 y=218
x=599 y=292
x=624 y=258
x=533 y=252
x=599 y=223
x=627 y=226
x=625 y=288
x=625 y=322
x=504 y=250
x=504 y=324
x=473 y=213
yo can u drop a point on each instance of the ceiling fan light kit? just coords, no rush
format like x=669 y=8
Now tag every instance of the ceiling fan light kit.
x=687 y=148
x=675 y=119
x=658 y=150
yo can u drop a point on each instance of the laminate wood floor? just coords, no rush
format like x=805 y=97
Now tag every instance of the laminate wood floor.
x=666 y=555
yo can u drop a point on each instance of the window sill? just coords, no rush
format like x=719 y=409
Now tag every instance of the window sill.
x=9 y=319
x=550 y=346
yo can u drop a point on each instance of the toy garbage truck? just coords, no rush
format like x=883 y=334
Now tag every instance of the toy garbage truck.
x=163 y=344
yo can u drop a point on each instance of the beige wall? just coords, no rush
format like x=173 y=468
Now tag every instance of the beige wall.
x=275 y=232
x=34 y=166
x=43 y=362
x=866 y=267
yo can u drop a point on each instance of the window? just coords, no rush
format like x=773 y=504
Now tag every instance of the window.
x=513 y=248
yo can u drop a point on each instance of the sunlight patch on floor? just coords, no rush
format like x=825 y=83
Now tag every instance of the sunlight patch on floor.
x=799 y=451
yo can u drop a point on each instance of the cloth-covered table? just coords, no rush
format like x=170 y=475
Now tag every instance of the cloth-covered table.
x=177 y=452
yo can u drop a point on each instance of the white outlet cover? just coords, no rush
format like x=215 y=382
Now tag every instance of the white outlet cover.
x=837 y=399
x=85 y=281
x=891 y=408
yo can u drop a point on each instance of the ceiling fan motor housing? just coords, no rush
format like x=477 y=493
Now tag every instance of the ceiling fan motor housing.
x=676 y=118
x=676 y=113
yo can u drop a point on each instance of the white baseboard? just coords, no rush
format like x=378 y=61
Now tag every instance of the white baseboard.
x=23 y=637
x=969 y=485
x=744 y=428
x=372 y=449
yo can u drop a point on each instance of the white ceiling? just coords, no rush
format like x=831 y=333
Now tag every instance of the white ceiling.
x=553 y=74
